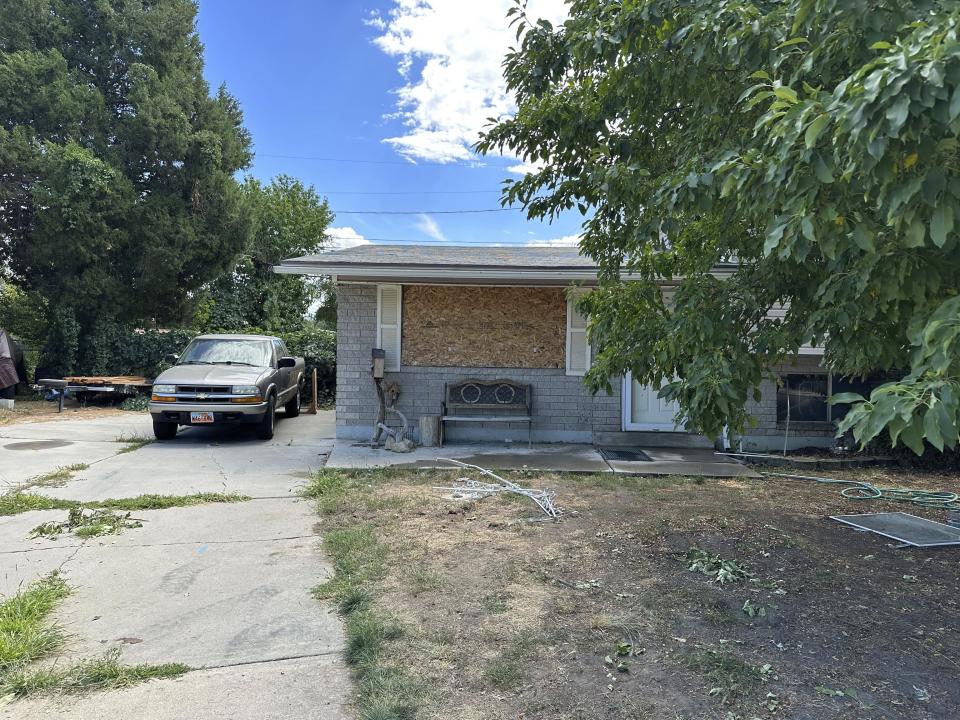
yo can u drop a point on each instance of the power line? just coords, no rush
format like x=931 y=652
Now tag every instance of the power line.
x=422 y=212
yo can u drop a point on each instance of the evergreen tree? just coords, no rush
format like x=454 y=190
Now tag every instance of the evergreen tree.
x=117 y=193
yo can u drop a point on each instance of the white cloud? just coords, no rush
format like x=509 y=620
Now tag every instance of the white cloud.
x=428 y=226
x=565 y=241
x=461 y=47
x=344 y=237
x=525 y=168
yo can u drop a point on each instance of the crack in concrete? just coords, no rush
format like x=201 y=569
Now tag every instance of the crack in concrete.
x=168 y=544
x=243 y=663
x=72 y=555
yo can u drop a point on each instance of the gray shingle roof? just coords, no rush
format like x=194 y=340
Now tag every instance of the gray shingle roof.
x=427 y=256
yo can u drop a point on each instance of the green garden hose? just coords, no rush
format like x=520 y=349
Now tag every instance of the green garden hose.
x=860 y=490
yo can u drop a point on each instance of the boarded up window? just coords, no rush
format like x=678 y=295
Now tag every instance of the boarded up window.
x=484 y=326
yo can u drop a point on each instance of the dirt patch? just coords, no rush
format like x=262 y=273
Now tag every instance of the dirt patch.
x=600 y=615
x=42 y=411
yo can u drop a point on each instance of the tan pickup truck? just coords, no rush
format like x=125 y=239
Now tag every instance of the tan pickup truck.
x=227 y=380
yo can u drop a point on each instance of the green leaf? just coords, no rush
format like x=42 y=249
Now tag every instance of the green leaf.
x=948 y=427
x=954 y=110
x=863 y=238
x=846 y=398
x=759 y=75
x=790 y=43
x=931 y=429
x=941 y=224
x=912 y=435
x=786 y=94
x=814 y=130
x=821 y=170
x=898 y=112
x=915 y=234
x=881 y=45
x=803 y=12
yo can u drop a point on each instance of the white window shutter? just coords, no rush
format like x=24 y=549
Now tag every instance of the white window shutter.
x=578 y=349
x=389 y=299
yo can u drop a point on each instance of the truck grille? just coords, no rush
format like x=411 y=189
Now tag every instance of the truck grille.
x=209 y=389
x=203 y=393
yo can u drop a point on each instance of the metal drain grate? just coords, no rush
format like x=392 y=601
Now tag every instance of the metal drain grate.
x=625 y=455
x=904 y=527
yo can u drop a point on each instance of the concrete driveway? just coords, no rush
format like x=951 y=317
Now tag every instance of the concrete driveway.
x=224 y=588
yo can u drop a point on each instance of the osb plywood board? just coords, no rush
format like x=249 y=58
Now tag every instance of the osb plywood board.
x=484 y=326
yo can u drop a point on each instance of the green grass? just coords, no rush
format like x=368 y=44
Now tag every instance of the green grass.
x=20 y=502
x=422 y=579
x=26 y=633
x=506 y=671
x=359 y=560
x=335 y=491
x=15 y=503
x=494 y=603
x=729 y=676
x=133 y=443
x=56 y=477
x=101 y=674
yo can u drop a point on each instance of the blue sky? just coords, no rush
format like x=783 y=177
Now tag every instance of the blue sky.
x=395 y=84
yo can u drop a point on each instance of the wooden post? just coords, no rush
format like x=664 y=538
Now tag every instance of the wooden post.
x=313 y=400
x=430 y=430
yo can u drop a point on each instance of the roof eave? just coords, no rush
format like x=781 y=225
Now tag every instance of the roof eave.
x=447 y=273
x=393 y=272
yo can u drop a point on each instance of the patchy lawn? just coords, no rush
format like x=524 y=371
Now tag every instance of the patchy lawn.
x=474 y=610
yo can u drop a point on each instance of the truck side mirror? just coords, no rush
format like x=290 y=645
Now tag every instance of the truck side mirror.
x=171 y=358
x=286 y=362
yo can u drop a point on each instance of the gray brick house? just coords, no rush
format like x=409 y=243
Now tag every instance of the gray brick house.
x=447 y=314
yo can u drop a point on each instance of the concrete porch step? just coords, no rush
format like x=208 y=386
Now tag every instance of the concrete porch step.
x=651 y=439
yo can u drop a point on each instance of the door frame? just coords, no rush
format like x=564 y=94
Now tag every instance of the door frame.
x=626 y=406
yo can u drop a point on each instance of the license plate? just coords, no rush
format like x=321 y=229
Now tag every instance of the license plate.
x=201 y=417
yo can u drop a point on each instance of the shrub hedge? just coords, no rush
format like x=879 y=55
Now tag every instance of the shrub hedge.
x=118 y=350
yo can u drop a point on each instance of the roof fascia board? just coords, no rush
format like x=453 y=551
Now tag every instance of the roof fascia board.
x=394 y=272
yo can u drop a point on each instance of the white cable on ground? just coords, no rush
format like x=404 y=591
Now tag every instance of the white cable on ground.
x=473 y=489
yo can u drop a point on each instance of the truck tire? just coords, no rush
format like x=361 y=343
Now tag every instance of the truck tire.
x=266 y=425
x=164 y=430
x=292 y=408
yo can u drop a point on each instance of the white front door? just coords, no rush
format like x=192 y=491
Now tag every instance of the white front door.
x=643 y=410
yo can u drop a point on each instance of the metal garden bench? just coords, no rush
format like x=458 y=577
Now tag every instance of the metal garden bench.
x=487 y=401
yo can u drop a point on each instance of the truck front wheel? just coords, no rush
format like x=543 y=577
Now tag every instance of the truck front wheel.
x=164 y=430
x=265 y=426
x=292 y=408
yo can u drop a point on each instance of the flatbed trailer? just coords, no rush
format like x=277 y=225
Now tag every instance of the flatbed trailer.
x=81 y=386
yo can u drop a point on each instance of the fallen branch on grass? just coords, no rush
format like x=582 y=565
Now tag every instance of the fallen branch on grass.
x=467 y=489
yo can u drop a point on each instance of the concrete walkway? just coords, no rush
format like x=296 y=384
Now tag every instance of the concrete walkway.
x=552 y=457
x=224 y=588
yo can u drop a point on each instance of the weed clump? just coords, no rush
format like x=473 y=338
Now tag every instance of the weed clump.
x=715 y=567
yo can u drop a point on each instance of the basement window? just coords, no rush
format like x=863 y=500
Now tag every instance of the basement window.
x=803 y=398
x=807 y=395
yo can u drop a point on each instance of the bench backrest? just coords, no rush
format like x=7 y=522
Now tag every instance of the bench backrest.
x=488 y=395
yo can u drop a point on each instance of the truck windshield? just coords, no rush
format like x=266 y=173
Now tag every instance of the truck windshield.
x=227 y=352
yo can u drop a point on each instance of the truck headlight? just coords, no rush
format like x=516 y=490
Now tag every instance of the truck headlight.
x=250 y=394
x=164 y=389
